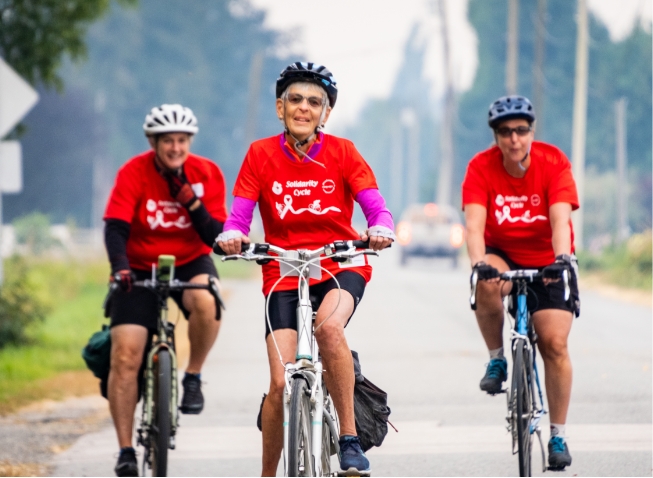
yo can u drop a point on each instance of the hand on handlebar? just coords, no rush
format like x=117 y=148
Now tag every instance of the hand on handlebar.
x=124 y=278
x=230 y=242
x=486 y=272
x=376 y=242
x=553 y=272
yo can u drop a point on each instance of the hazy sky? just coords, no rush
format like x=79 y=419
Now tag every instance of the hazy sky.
x=362 y=41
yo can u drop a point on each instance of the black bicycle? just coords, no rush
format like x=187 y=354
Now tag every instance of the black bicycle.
x=160 y=416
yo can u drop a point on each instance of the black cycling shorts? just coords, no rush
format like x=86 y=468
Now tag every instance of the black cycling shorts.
x=542 y=297
x=283 y=304
x=139 y=306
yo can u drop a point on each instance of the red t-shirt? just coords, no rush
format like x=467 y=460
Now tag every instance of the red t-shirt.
x=302 y=204
x=518 y=208
x=159 y=224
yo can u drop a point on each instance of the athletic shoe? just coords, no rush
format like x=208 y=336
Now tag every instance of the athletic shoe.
x=127 y=464
x=193 y=401
x=495 y=375
x=352 y=459
x=559 y=456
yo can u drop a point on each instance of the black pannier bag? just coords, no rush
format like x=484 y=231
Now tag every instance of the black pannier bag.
x=371 y=409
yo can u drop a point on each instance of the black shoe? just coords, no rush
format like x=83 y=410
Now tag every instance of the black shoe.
x=127 y=464
x=559 y=456
x=193 y=401
x=495 y=375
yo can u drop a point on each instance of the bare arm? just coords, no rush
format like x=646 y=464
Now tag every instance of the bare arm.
x=475 y=217
x=560 y=217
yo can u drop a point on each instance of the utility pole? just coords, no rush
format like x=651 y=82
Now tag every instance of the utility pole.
x=622 y=160
x=512 y=47
x=396 y=170
x=538 y=66
x=254 y=88
x=579 y=127
x=443 y=192
x=410 y=123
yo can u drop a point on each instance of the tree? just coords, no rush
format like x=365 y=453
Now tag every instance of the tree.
x=36 y=34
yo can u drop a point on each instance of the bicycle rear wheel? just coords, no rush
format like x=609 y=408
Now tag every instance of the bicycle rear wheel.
x=300 y=459
x=523 y=405
x=160 y=433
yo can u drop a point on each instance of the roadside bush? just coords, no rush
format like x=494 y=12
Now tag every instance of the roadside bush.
x=627 y=264
x=20 y=305
x=33 y=231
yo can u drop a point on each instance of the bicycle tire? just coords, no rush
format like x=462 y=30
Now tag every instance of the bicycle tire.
x=523 y=406
x=300 y=458
x=160 y=434
x=327 y=438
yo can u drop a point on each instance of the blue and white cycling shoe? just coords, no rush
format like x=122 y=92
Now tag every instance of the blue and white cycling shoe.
x=353 y=461
x=495 y=375
x=559 y=456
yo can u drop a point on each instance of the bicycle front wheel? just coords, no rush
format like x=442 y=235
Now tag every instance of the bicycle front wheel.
x=523 y=405
x=160 y=434
x=300 y=460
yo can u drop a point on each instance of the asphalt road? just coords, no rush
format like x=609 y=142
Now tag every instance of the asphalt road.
x=418 y=340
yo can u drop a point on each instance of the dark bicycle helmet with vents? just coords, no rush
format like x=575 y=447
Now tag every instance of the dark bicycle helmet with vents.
x=510 y=107
x=311 y=72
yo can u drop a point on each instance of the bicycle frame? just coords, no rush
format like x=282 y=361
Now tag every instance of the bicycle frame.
x=164 y=341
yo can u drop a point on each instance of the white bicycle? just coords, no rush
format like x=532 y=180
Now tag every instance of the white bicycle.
x=310 y=422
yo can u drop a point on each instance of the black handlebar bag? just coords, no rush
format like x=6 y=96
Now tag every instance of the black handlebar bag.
x=371 y=409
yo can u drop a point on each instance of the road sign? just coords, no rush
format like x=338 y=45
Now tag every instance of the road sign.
x=17 y=97
x=11 y=171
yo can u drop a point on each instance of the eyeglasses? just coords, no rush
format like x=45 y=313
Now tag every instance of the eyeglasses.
x=313 y=101
x=506 y=132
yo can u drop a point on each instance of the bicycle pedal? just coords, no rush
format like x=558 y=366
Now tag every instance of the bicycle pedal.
x=556 y=468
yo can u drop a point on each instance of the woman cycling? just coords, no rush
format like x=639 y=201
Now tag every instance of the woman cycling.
x=305 y=183
x=518 y=197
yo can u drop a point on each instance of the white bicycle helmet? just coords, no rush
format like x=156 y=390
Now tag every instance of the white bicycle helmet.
x=170 y=119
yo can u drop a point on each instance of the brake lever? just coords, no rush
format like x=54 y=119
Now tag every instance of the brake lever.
x=472 y=298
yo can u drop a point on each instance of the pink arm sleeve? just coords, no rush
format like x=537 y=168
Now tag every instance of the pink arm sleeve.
x=242 y=212
x=374 y=208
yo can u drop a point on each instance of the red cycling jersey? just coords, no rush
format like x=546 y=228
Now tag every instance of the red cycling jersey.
x=304 y=205
x=518 y=208
x=159 y=224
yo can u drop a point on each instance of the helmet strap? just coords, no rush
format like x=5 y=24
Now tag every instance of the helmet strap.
x=520 y=163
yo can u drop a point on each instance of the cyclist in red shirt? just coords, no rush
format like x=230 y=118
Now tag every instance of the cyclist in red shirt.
x=164 y=201
x=518 y=197
x=305 y=183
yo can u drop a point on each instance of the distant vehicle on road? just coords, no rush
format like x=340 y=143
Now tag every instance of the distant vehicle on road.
x=430 y=230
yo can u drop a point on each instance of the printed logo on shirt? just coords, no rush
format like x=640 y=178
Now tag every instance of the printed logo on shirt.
x=328 y=186
x=277 y=188
x=314 y=208
x=510 y=203
x=300 y=188
x=160 y=210
x=535 y=200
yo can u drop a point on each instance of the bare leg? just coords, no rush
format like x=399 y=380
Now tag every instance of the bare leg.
x=489 y=305
x=272 y=414
x=202 y=326
x=338 y=362
x=553 y=327
x=128 y=343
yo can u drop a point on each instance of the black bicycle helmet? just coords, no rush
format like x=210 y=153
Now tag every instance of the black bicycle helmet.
x=510 y=107
x=311 y=72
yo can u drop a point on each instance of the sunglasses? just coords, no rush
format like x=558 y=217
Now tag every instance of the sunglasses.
x=506 y=132
x=313 y=101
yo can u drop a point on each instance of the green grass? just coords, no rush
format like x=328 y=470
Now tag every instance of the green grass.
x=74 y=291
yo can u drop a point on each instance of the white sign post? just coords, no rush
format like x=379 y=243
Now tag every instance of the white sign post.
x=17 y=97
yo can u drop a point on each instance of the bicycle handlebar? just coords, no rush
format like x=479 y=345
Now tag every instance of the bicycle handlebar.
x=519 y=275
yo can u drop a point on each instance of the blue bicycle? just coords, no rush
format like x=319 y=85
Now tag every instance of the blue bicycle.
x=524 y=408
